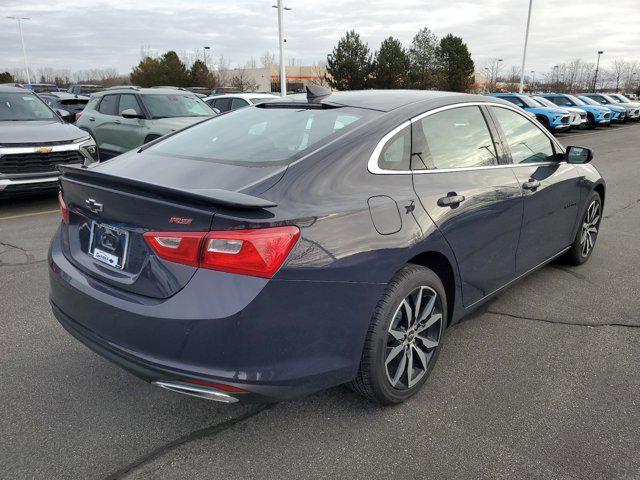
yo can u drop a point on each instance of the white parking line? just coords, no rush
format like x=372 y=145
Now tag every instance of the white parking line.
x=615 y=129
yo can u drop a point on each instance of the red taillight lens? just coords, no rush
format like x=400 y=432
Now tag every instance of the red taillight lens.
x=219 y=386
x=259 y=253
x=179 y=247
x=78 y=115
x=63 y=208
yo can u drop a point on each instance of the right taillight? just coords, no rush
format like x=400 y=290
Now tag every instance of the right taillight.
x=63 y=208
x=256 y=252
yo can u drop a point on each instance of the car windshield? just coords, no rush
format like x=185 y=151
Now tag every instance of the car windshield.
x=44 y=88
x=589 y=101
x=91 y=89
x=169 y=106
x=544 y=102
x=528 y=101
x=620 y=98
x=15 y=107
x=262 y=136
x=575 y=100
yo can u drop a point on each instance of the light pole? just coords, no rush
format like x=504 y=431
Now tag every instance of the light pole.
x=283 y=74
x=595 y=77
x=24 y=51
x=524 y=51
x=204 y=51
x=533 y=79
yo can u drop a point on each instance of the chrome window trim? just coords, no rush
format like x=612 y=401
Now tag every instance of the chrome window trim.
x=373 y=167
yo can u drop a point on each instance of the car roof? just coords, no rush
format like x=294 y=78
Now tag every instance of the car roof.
x=246 y=96
x=11 y=88
x=143 y=91
x=387 y=100
x=65 y=95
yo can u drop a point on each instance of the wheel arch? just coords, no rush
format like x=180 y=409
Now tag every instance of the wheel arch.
x=441 y=266
x=601 y=191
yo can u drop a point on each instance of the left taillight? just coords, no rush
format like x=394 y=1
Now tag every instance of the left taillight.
x=256 y=252
x=63 y=208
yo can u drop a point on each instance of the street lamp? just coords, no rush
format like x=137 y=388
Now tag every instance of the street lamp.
x=283 y=75
x=595 y=77
x=24 y=51
x=204 y=50
x=524 y=50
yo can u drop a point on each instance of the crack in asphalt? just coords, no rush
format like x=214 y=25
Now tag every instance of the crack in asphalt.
x=189 y=437
x=562 y=322
x=629 y=205
x=29 y=256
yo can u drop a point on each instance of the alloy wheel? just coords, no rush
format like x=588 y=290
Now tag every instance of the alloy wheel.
x=413 y=336
x=590 y=228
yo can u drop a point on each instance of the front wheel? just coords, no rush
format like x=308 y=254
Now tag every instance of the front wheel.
x=587 y=234
x=404 y=338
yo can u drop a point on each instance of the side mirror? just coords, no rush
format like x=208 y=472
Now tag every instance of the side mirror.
x=579 y=155
x=65 y=115
x=131 y=113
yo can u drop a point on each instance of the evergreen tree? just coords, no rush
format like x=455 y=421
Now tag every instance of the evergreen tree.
x=455 y=64
x=201 y=76
x=391 y=65
x=146 y=73
x=423 y=72
x=349 y=64
x=173 y=72
x=6 y=77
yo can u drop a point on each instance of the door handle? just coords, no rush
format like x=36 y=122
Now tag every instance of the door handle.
x=532 y=184
x=92 y=119
x=118 y=122
x=451 y=200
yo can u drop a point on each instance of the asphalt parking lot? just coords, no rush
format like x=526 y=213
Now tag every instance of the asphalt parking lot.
x=543 y=382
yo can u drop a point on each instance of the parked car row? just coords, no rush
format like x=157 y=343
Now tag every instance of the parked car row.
x=560 y=112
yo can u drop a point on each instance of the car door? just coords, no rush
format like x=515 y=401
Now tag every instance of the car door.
x=550 y=188
x=100 y=121
x=470 y=194
x=130 y=132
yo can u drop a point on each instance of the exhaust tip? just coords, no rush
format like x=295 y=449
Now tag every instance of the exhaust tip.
x=207 y=393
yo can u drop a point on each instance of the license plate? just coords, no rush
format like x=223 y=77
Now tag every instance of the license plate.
x=109 y=244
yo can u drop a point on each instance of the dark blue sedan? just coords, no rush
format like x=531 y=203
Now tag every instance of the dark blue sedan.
x=313 y=241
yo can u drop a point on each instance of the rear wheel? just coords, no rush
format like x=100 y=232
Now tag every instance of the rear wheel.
x=404 y=338
x=545 y=121
x=591 y=121
x=587 y=234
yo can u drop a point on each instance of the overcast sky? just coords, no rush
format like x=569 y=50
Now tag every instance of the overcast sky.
x=81 y=34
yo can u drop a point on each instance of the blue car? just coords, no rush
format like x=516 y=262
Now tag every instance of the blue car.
x=294 y=245
x=42 y=87
x=618 y=114
x=554 y=119
x=597 y=115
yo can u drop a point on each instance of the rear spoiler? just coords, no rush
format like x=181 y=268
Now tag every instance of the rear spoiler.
x=213 y=196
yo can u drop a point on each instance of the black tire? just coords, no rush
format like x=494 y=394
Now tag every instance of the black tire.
x=545 y=121
x=591 y=121
x=373 y=380
x=580 y=253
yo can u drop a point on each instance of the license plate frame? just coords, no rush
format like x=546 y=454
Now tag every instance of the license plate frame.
x=114 y=256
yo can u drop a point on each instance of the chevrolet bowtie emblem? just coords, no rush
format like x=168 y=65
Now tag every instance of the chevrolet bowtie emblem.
x=44 y=149
x=94 y=206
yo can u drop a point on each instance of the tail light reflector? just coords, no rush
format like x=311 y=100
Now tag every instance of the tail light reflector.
x=257 y=252
x=78 y=115
x=63 y=208
x=219 y=386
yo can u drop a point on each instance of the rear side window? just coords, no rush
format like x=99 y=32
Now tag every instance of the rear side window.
x=223 y=104
x=108 y=104
x=262 y=136
x=515 y=101
x=455 y=138
x=527 y=143
x=396 y=153
x=238 y=103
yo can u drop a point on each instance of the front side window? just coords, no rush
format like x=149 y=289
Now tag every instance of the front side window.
x=238 y=103
x=128 y=102
x=261 y=136
x=527 y=143
x=455 y=138
x=23 y=107
x=515 y=101
x=169 y=106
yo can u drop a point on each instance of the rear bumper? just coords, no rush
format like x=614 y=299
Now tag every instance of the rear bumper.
x=277 y=339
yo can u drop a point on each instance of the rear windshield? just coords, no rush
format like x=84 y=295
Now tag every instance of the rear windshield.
x=262 y=136
x=168 y=106
x=23 y=106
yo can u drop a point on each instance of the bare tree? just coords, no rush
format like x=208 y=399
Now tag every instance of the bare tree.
x=492 y=69
x=251 y=63
x=617 y=71
x=243 y=81
x=267 y=59
x=222 y=70
x=320 y=74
